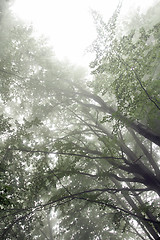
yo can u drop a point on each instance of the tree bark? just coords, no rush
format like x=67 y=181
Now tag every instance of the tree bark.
x=138 y=127
x=147 y=154
x=137 y=211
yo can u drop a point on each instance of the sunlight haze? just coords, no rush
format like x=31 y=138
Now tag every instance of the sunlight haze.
x=69 y=24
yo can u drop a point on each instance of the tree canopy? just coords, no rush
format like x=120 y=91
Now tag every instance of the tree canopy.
x=80 y=157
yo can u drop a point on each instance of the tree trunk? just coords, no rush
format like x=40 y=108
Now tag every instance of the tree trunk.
x=138 y=127
x=137 y=211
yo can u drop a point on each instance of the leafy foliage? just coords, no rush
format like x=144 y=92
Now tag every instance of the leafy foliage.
x=77 y=160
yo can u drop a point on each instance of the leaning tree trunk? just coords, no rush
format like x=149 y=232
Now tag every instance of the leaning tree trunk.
x=138 y=127
x=137 y=211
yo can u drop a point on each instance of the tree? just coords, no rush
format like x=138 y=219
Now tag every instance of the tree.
x=84 y=150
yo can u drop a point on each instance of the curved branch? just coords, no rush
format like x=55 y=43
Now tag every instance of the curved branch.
x=134 y=179
x=138 y=127
x=63 y=153
x=146 y=152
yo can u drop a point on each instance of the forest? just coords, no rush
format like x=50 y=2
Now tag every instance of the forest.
x=79 y=155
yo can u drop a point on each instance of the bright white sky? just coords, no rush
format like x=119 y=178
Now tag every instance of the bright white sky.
x=68 y=23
